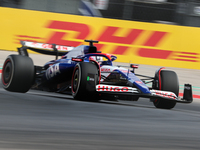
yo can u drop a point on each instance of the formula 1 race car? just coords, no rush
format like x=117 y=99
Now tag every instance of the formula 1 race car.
x=89 y=75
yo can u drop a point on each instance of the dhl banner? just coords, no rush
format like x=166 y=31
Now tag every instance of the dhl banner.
x=130 y=41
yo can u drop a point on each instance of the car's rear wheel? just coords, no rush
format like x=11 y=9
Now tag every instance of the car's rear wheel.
x=84 y=81
x=17 y=73
x=166 y=81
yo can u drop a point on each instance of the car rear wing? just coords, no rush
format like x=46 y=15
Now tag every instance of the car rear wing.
x=43 y=48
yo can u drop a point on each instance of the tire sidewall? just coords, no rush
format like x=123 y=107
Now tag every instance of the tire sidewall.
x=77 y=67
x=12 y=73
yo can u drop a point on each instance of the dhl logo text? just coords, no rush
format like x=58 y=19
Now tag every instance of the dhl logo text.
x=138 y=42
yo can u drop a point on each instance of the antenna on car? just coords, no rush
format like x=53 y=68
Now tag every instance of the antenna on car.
x=91 y=42
x=92 y=48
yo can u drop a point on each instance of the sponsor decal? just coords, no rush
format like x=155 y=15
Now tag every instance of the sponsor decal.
x=90 y=79
x=126 y=71
x=52 y=71
x=73 y=34
x=108 y=36
x=114 y=89
x=105 y=70
x=46 y=46
x=108 y=88
x=91 y=82
x=77 y=59
x=139 y=82
x=164 y=94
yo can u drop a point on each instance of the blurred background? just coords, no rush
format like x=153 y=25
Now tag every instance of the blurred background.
x=163 y=32
x=51 y=121
x=179 y=12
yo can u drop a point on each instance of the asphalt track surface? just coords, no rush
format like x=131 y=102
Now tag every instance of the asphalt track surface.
x=50 y=121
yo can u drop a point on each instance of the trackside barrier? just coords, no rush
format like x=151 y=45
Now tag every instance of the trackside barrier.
x=135 y=42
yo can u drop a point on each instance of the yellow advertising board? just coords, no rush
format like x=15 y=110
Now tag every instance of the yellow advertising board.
x=130 y=41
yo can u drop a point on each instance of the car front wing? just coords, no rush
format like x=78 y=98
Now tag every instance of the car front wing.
x=153 y=94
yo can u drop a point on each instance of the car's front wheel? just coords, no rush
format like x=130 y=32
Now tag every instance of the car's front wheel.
x=166 y=81
x=84 y=81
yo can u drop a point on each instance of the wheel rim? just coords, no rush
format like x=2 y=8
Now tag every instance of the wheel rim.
x=7 y=72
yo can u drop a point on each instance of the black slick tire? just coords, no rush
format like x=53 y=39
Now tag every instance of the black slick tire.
x=84 y=81
x=17 y=73
x=168 y=82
